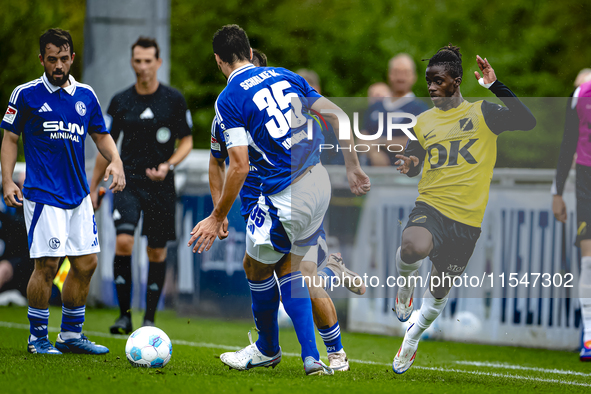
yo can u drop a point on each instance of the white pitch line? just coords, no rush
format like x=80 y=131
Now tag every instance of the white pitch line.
x=519 y=367
x=438 y=369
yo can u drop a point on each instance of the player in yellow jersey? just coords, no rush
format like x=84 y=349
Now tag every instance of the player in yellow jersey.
x=456 y=145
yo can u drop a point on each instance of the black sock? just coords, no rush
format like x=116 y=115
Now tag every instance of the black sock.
x=156 y=274
x=122 y=275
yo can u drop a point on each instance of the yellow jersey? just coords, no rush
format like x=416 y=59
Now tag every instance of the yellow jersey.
x=461 y=151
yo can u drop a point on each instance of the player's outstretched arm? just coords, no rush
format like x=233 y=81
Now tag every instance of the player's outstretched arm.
x=8 y=159
x=217 y=175
x=514 y=116
x=359 y=182
x=206 y=231
x=106 y=146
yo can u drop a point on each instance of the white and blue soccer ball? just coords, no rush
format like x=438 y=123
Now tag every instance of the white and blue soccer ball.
x=148 y=347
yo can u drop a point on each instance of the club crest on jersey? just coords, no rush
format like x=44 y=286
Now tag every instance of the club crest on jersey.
x=10 y=114
x=81 y=108
x=163 y=135
x=54 y=243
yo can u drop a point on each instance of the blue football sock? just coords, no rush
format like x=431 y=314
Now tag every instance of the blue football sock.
x=332 y=338
x=72 y=321
x=327 y=274
x=265 y=304
x=38 y=319
x=296 y=300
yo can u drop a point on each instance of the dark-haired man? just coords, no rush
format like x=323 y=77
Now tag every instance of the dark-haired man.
x=152 y=118
x=261 y=123
x=459 y=138
x=325 y=316
x=54 y=114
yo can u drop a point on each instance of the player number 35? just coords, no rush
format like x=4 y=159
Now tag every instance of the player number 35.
x=275 y=101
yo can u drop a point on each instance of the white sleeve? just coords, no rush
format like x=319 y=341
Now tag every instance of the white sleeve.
x=236 y=137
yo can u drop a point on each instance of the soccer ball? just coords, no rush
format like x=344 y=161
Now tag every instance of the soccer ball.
x=148 y=347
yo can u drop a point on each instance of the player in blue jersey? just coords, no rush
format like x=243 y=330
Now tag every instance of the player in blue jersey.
x=54 y=114
x=260 y=123
x=325 y=316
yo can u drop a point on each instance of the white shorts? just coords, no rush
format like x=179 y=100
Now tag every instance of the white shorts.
x=289 y=221
x=58 y=232
x=318 y=253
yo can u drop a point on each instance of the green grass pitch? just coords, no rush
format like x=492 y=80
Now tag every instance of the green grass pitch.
x=440 y=367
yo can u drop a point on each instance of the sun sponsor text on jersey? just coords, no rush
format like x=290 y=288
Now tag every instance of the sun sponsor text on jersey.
x=58 y=131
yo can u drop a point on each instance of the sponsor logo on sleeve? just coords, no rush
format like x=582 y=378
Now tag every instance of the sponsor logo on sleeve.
x=215 y=145
x=10 y=114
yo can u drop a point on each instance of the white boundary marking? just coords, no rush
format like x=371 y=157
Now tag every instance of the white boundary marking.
x=522 y=368
x=438 y=369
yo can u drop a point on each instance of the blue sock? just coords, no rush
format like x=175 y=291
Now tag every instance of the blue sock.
x=265 y=304
x=73 y=319
x=332 y=338
x=327 y=274
x=296 y=300
x=38 y=319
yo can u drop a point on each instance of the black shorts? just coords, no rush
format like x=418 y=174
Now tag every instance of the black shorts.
x=157 y=200
x=583 y=193
x=453 y=242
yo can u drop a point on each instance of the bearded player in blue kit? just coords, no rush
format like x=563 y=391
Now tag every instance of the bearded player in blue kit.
x=295 y=193
x=55 y=114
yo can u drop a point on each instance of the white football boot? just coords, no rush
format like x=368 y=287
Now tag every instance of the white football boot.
x=404 y=299
x=316 y=367
x=339 y=361
x=249 y=357
x=406 y=354
x=352 y=281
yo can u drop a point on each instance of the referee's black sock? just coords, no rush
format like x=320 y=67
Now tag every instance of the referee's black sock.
x=156 y=274
x=122 y=275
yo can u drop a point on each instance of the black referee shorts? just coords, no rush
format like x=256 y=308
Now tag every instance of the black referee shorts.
x=453 y=242
x=583 y=193
x=157 y=200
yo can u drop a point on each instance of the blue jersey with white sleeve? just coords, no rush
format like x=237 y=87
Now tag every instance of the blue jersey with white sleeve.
x=251 y=190
x=54 y=123
x=255 y=109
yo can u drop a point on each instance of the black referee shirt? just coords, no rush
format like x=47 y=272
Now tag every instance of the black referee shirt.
x=151 y=124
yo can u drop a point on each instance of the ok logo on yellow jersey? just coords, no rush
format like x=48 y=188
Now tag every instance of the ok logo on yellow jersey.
x=449 y=151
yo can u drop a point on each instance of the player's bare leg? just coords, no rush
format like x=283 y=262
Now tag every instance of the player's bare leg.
x=39 y=287
x=122 y=276
x=417 y=243
x=325 y=317
x=585 y=299
x=77 y=282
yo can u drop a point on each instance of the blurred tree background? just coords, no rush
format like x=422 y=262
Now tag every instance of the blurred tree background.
x=535 y=47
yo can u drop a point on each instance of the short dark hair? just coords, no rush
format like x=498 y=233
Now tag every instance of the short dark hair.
x=57 y=37
x=231 y=44
x=146 y=42
x=450 y=58
x=259 y=57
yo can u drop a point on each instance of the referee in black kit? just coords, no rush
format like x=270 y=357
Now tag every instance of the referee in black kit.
x=152 y=117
